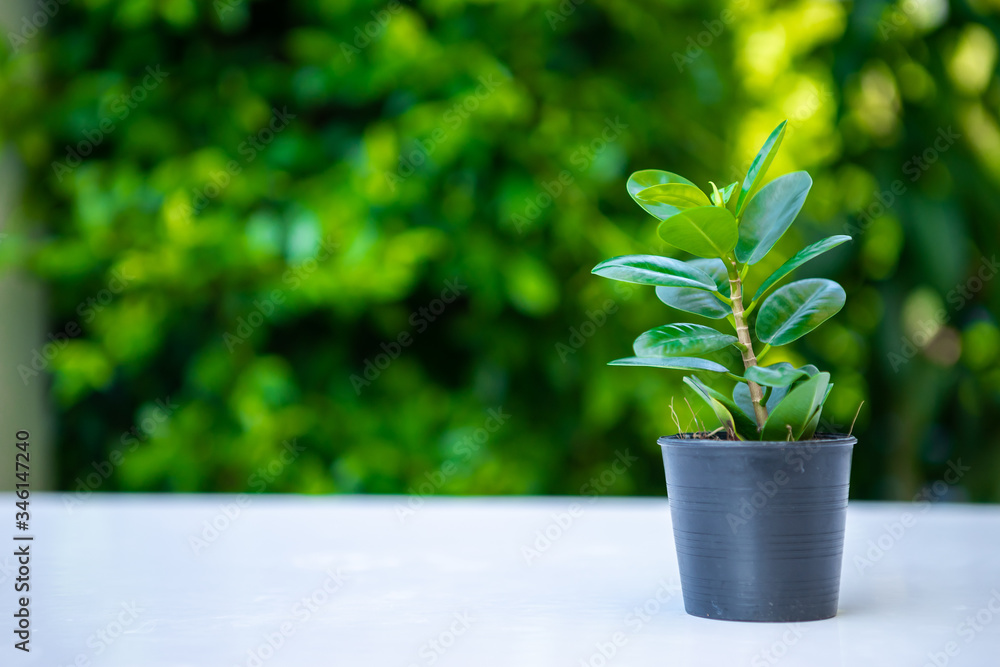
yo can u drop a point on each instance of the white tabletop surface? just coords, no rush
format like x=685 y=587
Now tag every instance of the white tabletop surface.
x=350 y=580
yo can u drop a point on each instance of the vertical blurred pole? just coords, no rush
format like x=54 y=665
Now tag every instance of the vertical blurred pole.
x=22 y=321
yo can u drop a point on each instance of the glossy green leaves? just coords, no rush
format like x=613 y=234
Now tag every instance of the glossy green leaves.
x=678 y=195
x=694 y=301
x=730 y=230
x=705 y=231
x=647 y=178
x=795 y=417
x=654 y=270
x=797 y=308
x=769 y=215
x=729 y=414
x=755 y=175
x=727 y=192
x=778 y=375
x=698 y=301
x=676 y=363
x=674 y=340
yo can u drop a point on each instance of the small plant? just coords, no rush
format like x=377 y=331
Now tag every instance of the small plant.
x=730 y=230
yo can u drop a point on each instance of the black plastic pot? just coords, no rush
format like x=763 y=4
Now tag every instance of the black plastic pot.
x=759 y=526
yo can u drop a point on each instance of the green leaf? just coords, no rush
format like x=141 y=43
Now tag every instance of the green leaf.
x=810 y=429
x=716 y=196
x=724 y=416
x=779 y=393
x=654 y=270
x=728 y=191
x=758 y=167
x=647 y=178
x=800 y=258
x=743 y=425
x=797 y=308
x=674 y=340
x=694 y=301
x=741 y=397
x=797 y=409
x=706 y=231
x=778 y=375
x=677 y=363
x=715 y=268
x=678 y=195
x=769 y=215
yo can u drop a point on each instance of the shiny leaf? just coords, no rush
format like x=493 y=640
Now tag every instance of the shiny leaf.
x=769 y=215
x=714 y=268
x=779 y=393
x=674 y=340
x=654 y=270
x=741 y=397
x=695 y=301
x=743 y=425
x=706 y=231
x=810 y=429
x=678 y=195
x=778 y=375
x=647 y=178
x=728 y=191
x=797 y=308
x=797 y=409
x=678 y=363
x=755 y=175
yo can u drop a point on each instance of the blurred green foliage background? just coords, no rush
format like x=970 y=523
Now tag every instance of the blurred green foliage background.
x=238 y=206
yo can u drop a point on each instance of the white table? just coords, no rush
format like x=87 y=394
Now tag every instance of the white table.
x=117 y=582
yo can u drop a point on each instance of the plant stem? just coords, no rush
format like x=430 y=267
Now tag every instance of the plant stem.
x=746 y=344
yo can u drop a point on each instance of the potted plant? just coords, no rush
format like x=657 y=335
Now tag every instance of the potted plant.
x=759 y=504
